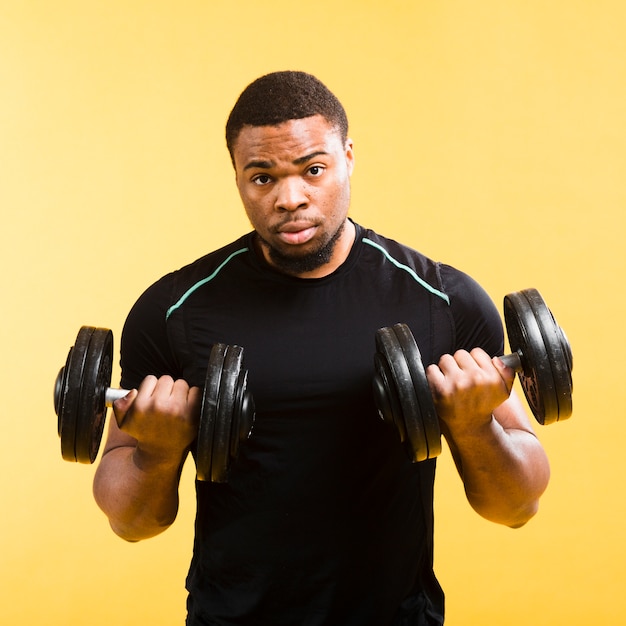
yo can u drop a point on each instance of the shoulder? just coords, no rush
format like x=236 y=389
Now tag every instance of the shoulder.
x=145 y=343
x=474 y=316
x=159 y=298
x=164 y=292
x=398 y=259
x=210 y=265
x=393 y=250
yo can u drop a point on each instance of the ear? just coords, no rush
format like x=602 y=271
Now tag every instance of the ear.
x=349 y=152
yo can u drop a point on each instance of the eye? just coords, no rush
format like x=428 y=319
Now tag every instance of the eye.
x=316 y=170
x=261 y=179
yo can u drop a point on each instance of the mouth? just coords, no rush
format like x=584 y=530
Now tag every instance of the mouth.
x=296 y=233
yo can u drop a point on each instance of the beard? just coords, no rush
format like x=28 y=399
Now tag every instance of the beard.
x=302 y=264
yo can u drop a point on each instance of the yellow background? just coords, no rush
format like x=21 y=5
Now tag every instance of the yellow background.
x=490 y=135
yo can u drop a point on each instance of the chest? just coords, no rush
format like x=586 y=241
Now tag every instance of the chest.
x=307 y=347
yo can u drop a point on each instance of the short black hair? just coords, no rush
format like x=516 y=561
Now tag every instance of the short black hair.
x=282 y=96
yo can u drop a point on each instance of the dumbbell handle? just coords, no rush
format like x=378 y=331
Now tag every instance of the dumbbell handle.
x=513 y=361
x=111 y=395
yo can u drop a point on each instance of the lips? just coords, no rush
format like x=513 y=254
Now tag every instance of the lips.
x=295 y=233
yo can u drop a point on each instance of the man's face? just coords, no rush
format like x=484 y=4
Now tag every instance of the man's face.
x=294 y=182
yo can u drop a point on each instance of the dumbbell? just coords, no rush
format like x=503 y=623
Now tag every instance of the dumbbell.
x=541 y=356
x=82 y=394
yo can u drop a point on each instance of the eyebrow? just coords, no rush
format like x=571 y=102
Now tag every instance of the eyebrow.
x=266 y=165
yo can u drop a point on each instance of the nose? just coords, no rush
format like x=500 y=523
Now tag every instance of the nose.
x=291 y=194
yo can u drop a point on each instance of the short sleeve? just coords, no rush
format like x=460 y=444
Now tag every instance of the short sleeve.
x=145 y=348
x=476 y=319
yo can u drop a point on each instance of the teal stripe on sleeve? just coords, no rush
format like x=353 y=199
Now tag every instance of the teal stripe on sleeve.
x=204 y=281
x=408 y=270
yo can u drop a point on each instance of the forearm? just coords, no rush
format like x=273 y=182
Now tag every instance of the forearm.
x=137 y=493
x=504 y=470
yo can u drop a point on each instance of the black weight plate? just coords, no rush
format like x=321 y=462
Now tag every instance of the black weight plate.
x=423 y=394
x=60 y=389
x=558 y=353
x=387 y=398
x=70 y=394
x=525 y=337
x=385 y=394
x=92 y=409
x=243 y=414
x=208 y=413
x=224 y=422
x=247 y=414
x=403 y=384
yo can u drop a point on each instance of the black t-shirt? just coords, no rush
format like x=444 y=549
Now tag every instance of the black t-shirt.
x=323 y=520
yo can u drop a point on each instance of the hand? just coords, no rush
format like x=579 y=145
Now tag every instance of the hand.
x=467 y=387
x=162 y=415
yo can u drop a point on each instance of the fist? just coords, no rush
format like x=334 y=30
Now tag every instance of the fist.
x=162 y=415
x=468 y=386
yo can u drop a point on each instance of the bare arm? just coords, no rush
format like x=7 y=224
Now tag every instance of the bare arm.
x=501 y=462
x=136 y=483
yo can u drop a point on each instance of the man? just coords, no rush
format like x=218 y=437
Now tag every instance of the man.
x=324 y=520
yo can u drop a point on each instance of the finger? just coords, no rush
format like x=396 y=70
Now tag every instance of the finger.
x=194 y=397
x=460 y=365
x=179 y=389
x=121 y=406
x=148 y=385
x=495 y=372
x=433 y=371
x=162 y=392
x=448 y=364
x=437 y=380
x=481 y=358
x=188 y=398
x=506 y=373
